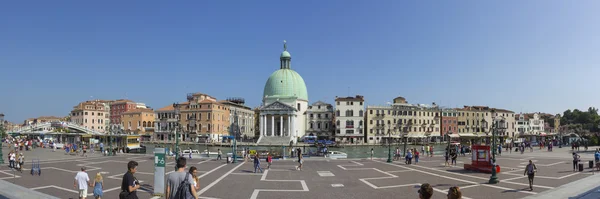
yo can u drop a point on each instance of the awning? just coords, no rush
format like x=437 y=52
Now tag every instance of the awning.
x=467 y=135
x=416 y=135
x=453 y=135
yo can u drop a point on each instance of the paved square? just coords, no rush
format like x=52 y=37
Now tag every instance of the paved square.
x=320 y=178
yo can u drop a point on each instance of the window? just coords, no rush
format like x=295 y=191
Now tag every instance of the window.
x=371 y=122
x=311 y=125
x=371 y=111
x=86 y=113
x=319 y=115
x=360 y=123
x=371 y=131
x=338 y=103
x=311 y=115
x=349 y=131
x=86 y=121
x=337 y=113
x=326 y=115
x=361 y=103
x=337 y=123
x=318 y=125
x=298 y=106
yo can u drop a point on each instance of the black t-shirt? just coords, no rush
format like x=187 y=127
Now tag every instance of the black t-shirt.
x=129 y=180
x=299 y=153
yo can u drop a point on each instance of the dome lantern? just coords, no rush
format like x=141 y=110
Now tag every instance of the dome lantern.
x=285 y=59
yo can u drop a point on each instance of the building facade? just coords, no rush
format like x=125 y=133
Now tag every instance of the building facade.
x=530 y=126
x=349 y=119
x=92 y=115
x=138 y=121
x=284 y=104
x=117 y=109
x=245 y=116
x=449 y=124
x=204 y=119
x=402 y=120
x=166 y=123
x=319 y=117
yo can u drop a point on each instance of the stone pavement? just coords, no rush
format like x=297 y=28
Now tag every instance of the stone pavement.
x=321 y=178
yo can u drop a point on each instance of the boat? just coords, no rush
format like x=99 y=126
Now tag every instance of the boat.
x=194 y=151
x=211 y=153
x=336 y=154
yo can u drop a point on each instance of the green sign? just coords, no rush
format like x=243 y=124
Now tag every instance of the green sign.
x=159 y=160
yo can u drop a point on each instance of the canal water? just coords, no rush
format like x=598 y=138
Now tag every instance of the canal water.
x=352 y=151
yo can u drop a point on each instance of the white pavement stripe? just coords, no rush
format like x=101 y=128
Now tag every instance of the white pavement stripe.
x=398 y=171
x=201 y=176
x=248 y=174
x=456 y=179
x=481 y=178
x=264 y=178
x=218 y=180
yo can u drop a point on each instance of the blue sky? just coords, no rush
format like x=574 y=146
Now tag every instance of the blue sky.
x=518 y=55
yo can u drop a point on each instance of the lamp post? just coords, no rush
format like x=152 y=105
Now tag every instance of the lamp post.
x=2 y=131
x=496 y=126
x=176 y=107
x=233 y=129
x=448 y=139
x=389 y=160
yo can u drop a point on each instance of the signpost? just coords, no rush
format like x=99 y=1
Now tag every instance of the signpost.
x=159 y=171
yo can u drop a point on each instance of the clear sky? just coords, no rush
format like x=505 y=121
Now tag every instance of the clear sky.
x=519 y=55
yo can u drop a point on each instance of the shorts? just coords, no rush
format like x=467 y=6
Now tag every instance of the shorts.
x=83 y=193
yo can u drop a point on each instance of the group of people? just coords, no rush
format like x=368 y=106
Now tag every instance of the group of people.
x=82 y=182
x=16 y=160
x=426 y=192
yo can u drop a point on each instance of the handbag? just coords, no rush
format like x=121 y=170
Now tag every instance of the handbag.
x=123 y=195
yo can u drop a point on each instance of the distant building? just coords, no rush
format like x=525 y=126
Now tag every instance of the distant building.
x=530 y=126
x=139 y=121
x=245 y=116
x=92 y=115
x=211 y=118
x=349 y=119
x=415 y=121
x=319 y=117
x=449 y=124
x=117 y=109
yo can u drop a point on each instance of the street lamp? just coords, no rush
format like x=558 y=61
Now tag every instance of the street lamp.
x=176 y=107
x=496 y=126
x=389 y=160
x=233 y=129
x=448 y=136
x=2 y=131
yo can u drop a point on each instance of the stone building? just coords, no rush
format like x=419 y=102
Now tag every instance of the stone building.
x=245 y=116
x=319 y=117
x=402 y=120
x=92 y=114
x=349 y=119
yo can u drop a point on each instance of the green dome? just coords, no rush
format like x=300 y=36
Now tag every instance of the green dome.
x=286 y=83
x=285 y=54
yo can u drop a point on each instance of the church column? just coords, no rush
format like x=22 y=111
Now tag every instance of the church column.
x=280 y=125
x=293 y=126
x=289 y=125
x=272 y=125
x=262 y=125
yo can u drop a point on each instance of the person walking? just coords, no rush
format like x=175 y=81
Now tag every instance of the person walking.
x=597 y=159
x=576 y=159
x=11 y=159
x=129 y=184
x=530 y=170
x=219 y=154
x=102 y=147
x=175 y=179
x=446 y=156
x=409 y=156
x=426 y=150
x=98 y=186
x=194 y=172
x=82 y=182
x=257 y=163
x=397 y=154
x=300 y=161
x=417 y=156
x=453 y=156
x=269 y=161
x=372 y=153
x=431 y=151
x=21 y=162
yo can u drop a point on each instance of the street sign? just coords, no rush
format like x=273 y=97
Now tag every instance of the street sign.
x=159 y=171
x=159 y=160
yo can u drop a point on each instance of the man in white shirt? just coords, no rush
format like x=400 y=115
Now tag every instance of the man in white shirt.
x=82 y=181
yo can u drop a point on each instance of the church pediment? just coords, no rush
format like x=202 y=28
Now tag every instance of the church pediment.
x=278 y=106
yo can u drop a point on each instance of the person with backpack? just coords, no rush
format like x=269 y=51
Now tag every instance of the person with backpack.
x=530 y=170
x=180 y=183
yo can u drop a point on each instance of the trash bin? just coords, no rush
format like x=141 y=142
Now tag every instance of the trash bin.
x=580 y=167
x=591 y=164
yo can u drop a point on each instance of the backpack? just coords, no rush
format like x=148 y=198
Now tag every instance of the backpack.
x=183 y=191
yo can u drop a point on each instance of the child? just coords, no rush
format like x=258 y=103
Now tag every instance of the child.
x=98 y=186
x=269 y=161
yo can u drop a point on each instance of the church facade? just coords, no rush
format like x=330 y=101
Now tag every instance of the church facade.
x=282 y=117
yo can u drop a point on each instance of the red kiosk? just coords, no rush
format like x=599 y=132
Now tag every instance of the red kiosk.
x=481 y=160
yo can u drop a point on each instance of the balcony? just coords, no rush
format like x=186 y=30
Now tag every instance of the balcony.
x=349 y=126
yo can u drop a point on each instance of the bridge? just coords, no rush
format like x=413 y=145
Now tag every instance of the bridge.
x=73 y=126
